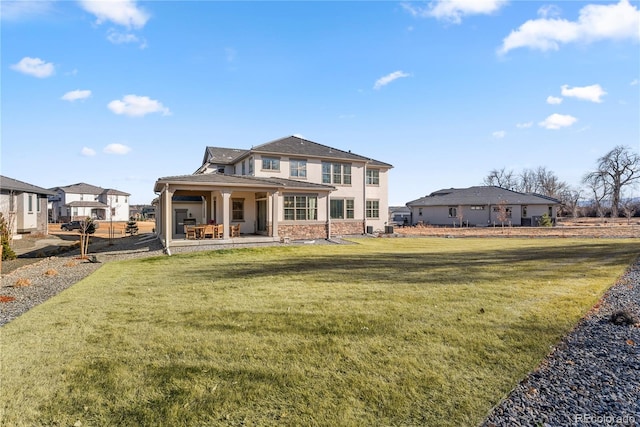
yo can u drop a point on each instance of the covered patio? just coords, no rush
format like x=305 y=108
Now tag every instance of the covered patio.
x=217 y=209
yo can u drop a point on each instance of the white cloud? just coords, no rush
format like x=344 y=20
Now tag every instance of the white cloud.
x=549 y=10
x=34 y=67
x=524 y=125
x=499 y=134
x=595 y=22
x=75 y=95
x=454 y=10
x=634 y=82
x=137 y=106
x=120 y=12
x=553 y=100
x=591 y=93
x=383 y=81
x=117 y=149
x=116 y=37
x=557 y=121
x=88 y=152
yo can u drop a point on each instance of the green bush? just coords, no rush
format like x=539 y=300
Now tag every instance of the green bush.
x=545 y=221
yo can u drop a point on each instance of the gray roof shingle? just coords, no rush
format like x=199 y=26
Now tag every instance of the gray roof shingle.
x=84 y=188
x=241 y=180
x=480 y=195
x=11 y=184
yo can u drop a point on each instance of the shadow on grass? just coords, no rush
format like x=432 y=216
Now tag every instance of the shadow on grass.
x=409 y=267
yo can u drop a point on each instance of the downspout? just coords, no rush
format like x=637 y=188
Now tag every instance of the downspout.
x=328 y=213
x=167 y=219
x=364 y=198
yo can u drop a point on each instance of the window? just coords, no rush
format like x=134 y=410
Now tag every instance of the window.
x=550 y=212
x=477 y=208
x=38 y=205
x=251 y=166
x=237 y=209
x=270 y=163
x=244 y=168
x=116 y=198
x=30 y=199
x=524 y=211
x=336 y=173
x=373 y=209
x=298 y=168
x=453 y=212
x=82 y=197
x=373 y=177
x=342 y=208
x=220 y=169
x=125 y=199
x=300 y=208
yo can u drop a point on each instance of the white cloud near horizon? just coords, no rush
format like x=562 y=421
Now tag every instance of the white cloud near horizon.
x=88 y=152
x=385 y=80
x=137 y=106
x=557 y=121
x=116 y=148
x=591 y=93
x=453 y=10
x=120 y=12
x=596 y=22
x=117 y=37
x=35 y=67
x=499 y=134
x=554 y=100
x=524 y=125
x=75 y=95
x=634 y=82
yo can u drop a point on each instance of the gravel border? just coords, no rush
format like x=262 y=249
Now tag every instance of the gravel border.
x=592 y=377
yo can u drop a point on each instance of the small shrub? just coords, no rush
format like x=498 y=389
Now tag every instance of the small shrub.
x=22 y=282
x=621 y=318
x=51 y=272
x=545 y=221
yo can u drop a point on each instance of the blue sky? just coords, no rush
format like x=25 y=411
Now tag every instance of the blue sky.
x=120 y=93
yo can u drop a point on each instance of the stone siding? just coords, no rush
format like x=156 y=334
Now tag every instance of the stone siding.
x=346 y=228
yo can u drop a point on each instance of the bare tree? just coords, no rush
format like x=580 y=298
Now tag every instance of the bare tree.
x=501 y=178
x=597 y=183
x=629 y=208
x=459 y=214
x=503 y=213
x=620 y=167
x=570 y=198
x=548 y=183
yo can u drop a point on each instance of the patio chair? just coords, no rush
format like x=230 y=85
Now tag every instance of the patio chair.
x=190 y=231
x=235 y=230
x=209 y=231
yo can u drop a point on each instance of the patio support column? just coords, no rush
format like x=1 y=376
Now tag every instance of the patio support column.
x=274 y=214
x=212 y=212
x=226 y=196
x=168 y=220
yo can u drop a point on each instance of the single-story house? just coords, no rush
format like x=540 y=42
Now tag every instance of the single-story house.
x=290 y=188
x=23 y=206
x=482 y=206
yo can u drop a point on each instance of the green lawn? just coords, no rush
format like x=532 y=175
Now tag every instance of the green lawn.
x=385 y=332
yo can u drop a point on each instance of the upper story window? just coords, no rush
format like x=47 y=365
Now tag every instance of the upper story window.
x=298 y=168
x=271 y=163
x=251 y=166
x=30 y=199
x=244 y=167
x=336 y=173
x=82 y=197
x=373 y=177
x=220 y=169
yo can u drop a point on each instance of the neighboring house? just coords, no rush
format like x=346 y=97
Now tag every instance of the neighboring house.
x=80 y=201
x=142 y=212
x=399 y=215
x=288 y=188
x=482 y=206
x=23 y=206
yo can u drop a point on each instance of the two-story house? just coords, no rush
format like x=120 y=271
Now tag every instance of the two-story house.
x=80 y=201
x=23 y=206
x=288 y=188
